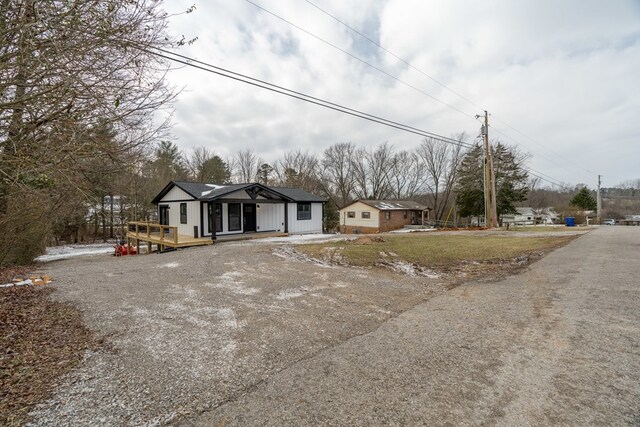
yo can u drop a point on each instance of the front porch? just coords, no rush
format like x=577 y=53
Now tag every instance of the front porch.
x=166 y=236
x=162 y=236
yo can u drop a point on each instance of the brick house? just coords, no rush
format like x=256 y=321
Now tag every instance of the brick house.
x=376 y=216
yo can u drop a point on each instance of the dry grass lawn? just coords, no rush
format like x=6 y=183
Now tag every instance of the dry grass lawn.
x=432 y=251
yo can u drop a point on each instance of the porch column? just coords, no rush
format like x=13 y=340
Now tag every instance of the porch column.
x=286 y=217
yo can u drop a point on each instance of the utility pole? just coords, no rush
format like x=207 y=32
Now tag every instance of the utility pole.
x=490 y=217
x=598 y=201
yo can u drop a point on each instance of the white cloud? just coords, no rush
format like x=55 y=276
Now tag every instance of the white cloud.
x=564 y=73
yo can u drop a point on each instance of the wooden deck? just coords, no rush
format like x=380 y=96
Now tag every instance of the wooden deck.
x=162 y=236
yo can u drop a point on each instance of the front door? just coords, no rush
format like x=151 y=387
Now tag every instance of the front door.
x=249 y=217
x=163 y=215
x=215 y=217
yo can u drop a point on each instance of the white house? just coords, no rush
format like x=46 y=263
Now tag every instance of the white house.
x=201 y=210
x=523 y=216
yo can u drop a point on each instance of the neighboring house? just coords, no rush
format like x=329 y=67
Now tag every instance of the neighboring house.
x=375 y=216
x=523 y=216
x=547 y=216
x=201 y=210
x=631 y=220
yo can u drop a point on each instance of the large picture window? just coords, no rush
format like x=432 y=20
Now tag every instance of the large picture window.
x=234 y=217
x=183 y=213
x=304 y=211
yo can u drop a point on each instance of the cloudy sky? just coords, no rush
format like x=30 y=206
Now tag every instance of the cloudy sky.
x=561 y=79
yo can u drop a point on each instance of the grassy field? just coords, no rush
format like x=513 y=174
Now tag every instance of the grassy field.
x=432 y=250
x=545 y=229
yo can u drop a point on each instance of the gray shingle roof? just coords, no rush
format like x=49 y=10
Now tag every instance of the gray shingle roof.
x=392 y=205
x=206 y=192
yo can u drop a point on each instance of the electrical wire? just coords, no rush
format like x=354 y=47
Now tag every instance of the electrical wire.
x=182 y=59
x=359 y=59
x=407 y=63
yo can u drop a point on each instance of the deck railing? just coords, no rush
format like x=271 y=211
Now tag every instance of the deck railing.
x=153 y=230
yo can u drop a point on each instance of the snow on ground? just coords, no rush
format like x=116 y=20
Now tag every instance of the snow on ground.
x=303 y=238
x=413 y=230
x=69 y=251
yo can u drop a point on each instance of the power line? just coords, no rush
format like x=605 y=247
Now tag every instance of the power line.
x=540 y=155
x=438 y=82
x=182 y=59
x=404 y=61
x=581 y=168
x=359 y=59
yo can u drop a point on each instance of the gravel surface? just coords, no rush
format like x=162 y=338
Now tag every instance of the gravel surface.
x=248 y=334
x=556 y=345
x=193 y=329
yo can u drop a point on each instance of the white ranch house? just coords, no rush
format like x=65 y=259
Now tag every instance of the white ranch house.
x=210 y=210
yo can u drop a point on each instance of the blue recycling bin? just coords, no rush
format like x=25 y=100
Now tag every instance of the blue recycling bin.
x=570 y=221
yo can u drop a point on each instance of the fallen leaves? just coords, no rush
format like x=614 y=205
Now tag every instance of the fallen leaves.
x=40 y=340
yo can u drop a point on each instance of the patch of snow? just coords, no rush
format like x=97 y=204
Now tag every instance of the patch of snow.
x=413 y=230
x=170 y=265
x=69 y=251
x=288 y=294
x=213 y=188
x=302 y=238
x=27 y=282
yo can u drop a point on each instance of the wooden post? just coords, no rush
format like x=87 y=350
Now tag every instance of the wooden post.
x=161 y=232
x=175 y=235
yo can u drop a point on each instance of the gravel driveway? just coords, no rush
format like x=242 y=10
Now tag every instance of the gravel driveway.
x=235 y=335
x=192 y=329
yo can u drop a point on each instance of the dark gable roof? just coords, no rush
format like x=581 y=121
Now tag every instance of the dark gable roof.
x=297 y=194
x=392 y=205
x=206 y=192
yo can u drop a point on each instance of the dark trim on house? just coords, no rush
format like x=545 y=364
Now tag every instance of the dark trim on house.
x=258 y=201
x=201 y=219
x=168 y=188
x=286 y=217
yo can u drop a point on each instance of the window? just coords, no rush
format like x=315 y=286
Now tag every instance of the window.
x=351 y=214
x=405 y=214
x=218 y=217
x=366 y=215
x=387 y=215
x=304 y=211
x=183 y=213
x=234 y=217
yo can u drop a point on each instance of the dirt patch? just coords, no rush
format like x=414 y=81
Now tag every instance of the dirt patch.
x=367 y=240
x=40 y=340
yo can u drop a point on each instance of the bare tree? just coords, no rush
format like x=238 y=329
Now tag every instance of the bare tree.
x=196 y=160
x=405 y=175
x=371 y=172
x=66 y=69
x=337 y=172
x=441 y=161
x=298 y=169
x=245 y=166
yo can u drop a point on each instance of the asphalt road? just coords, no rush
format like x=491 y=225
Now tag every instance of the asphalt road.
x=556 y=345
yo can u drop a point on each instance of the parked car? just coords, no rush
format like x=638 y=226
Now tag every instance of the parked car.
x=609 y=221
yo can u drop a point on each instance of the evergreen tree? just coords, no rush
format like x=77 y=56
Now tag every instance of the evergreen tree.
x=215 y=170
x=511 y=180
x=584 y=200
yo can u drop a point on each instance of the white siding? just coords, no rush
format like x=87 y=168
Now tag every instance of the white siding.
x=193 y=217
x=237 y=195
x=313 y=225
x=358 y=221
x=270 y=217
x=176 y=194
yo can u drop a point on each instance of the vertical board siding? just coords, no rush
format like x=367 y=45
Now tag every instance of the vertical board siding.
x=193 y=218
x=176 y=194
x=270 y=217
x=313 y=225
